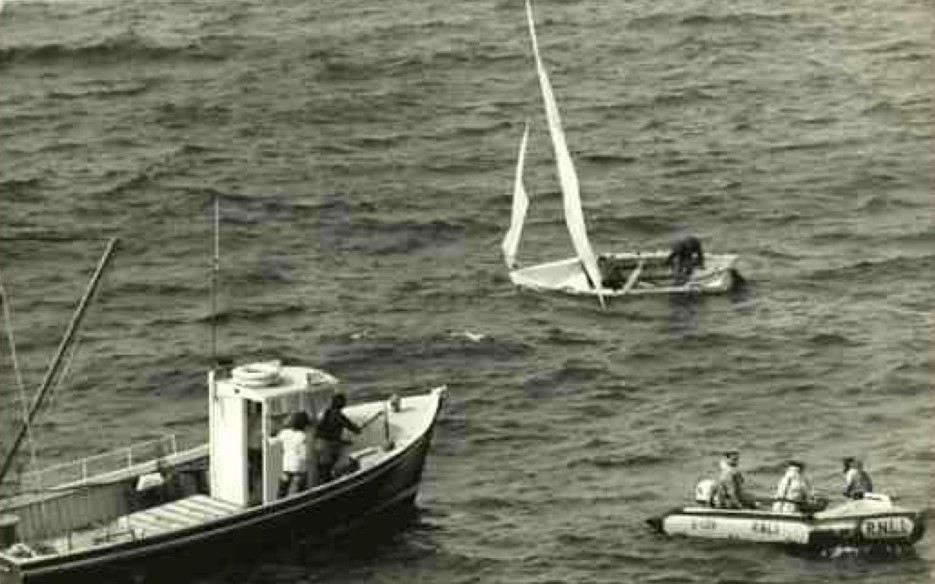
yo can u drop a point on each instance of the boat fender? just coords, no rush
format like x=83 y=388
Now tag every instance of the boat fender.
x=256 y=374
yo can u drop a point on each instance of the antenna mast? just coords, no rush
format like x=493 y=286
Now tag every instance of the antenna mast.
x=215 y=271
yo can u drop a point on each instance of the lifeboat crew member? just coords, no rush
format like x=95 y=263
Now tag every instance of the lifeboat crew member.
x=856 y=480
x=294 y=442
x=329 y=443
x=794 y=490
x=685 y=256
x=729 y=491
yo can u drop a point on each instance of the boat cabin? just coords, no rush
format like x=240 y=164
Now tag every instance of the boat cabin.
x=244 y=411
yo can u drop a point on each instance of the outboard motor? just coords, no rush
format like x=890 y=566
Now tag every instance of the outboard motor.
x=704 y=492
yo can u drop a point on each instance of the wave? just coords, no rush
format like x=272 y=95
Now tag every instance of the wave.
x=819 y=145
x=630 y=224
x=609 y=159
x=687 y=96
x=610 y=461
x=353 y=348
x=831 y=340
x=104 y=89
x=254 y=315
x=876 y=270
x=187 y=115
x=901 y=50
x=734 y=19
x=382 y=237
x=117 y=49
x=20 y=188
x=882 y=203
x=571 y=373
x=926 y=236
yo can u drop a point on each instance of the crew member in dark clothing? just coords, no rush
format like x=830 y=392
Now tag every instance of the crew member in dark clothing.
x=611 y=272
x=329 y=443
x=686 y=255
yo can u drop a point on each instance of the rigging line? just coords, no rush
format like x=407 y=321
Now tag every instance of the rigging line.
x=54 y=366
x=8 y=320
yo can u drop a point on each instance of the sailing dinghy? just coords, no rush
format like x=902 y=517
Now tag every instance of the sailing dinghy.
x=627 y=273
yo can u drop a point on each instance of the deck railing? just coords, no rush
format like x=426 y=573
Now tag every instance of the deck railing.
x=116 y=460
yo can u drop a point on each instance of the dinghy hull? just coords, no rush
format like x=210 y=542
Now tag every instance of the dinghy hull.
x=650 y=276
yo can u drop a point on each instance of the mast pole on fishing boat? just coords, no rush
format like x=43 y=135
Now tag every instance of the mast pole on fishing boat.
x=215 y=271
x=55 y=366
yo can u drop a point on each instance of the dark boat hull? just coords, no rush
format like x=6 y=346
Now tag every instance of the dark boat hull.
x=323 y=512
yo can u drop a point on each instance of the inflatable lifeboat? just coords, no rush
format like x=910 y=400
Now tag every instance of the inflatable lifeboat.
x=873 y=524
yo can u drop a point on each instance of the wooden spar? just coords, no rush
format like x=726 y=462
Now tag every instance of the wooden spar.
x=55 y=366
x=634 y=276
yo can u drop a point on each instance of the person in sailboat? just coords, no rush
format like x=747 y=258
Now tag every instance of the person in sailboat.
x=612 y=273
x=294 y=442
x=686 y=255
x=329 y=440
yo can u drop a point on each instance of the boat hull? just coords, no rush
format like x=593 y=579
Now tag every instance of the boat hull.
x=865 y=529
x=326 y=511
x=568 y=277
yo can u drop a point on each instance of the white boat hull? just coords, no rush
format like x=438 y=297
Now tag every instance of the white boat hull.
x=874 y=523
x=568 y=277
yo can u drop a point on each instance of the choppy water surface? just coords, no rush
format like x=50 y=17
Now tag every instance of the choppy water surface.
x=363 y=153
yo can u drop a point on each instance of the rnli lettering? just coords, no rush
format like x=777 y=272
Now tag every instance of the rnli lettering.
x=886 y=527
x=766 y=527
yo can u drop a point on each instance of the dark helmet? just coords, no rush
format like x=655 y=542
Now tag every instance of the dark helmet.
x=338 y=400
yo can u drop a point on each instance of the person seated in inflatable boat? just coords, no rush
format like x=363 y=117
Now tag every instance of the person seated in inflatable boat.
x=856 y=480
x=795 y=494
x=794 y=489
x=729 y=490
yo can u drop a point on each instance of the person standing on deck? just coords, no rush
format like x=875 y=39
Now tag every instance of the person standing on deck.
x=294 y=442
x=329 y=442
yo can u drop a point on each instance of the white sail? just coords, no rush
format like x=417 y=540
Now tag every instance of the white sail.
x=520 y=205
x=574 y=216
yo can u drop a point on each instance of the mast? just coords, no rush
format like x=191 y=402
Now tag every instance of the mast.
x=215 y=271
x=54 y=368
x=568 y=178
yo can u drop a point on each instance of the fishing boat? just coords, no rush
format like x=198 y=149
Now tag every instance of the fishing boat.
x=612 y=274
x=871 y=525
x=191 y=507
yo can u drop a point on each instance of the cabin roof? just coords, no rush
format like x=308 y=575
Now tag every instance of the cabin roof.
x=288 y=381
